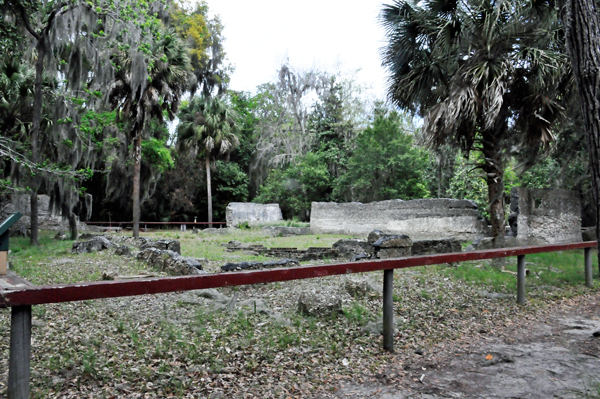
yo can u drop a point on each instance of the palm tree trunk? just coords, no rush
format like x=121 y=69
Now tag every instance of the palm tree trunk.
x=209 y=190
x=582 y=31
x=35 y=132
x=494 y=169
x=137 y=163
x=496 y=201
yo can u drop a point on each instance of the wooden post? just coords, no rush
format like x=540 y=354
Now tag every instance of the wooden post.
x=388 y=310
x=3 y=262
x=521 y=279
x=20 y=352
x=587 y=258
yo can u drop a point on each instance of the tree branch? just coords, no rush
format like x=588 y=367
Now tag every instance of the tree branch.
x=26 y=21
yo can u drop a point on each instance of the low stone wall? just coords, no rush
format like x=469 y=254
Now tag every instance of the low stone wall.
x=544 y=216
x=422 y=219
x=254 y=214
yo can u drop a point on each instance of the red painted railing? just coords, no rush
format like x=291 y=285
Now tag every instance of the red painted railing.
x=157 y=223
x=109 y=289
x=24 y=295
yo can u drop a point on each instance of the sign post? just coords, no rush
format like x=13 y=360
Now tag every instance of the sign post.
x=4 y=234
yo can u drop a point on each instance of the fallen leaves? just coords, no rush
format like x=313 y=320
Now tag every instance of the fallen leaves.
x=158 y=345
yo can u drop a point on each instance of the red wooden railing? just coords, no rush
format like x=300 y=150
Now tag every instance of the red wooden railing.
x=23 y=294
x=145 y=224
x=37 y=295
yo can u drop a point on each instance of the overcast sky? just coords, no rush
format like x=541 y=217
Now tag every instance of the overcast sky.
x=261 y=34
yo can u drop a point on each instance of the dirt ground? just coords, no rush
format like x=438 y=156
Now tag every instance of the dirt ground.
x=555 y=356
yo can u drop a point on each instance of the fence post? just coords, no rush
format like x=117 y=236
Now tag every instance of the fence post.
x=388 y=310
x=521 y=279
x=587 y=258
x=20 y=352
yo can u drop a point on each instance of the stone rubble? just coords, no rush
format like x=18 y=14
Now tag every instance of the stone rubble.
x=97 y=243
x=284 y=231
x=230 y=267
x=361 y=288
x=170 y=262
x=319 y=304
x=163 y=255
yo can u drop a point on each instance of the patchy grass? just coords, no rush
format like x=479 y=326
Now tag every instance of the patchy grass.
x=212 y=246
x=558 y=274
x=51 y=262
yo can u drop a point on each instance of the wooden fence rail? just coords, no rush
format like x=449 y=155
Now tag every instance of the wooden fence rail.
x=24 y=295
x=158 y=223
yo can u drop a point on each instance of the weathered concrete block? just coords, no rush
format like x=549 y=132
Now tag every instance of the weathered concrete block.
x=164 y=245
x=123 y=250
x=388 y=253
x=284 y=231
x=319 y=304
x=350 y=248
x=231 y=267
x=430 y=247
x=546 y=216
x=393 y=241
x=170 y=262
x=374 y=236
x=392 y=246
x=95 y=244
x=420 y=219
x=239 y=212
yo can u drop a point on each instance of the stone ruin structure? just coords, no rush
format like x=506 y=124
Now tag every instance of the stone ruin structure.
x=163 y=255
x=47 y=220
x=421 y=219
x=378 y=245
x=253 y=214
x=544 y=216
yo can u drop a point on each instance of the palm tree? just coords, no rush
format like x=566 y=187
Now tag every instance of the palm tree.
x=485 y=75
x=208 y=126
x=141 y=98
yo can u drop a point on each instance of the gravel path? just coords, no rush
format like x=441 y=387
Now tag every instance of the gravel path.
x=555 y=356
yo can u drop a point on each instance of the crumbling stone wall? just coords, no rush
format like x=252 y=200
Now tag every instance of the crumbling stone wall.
x=421 y=219
x=46 y=219
x=239 y=212
x=545 y=216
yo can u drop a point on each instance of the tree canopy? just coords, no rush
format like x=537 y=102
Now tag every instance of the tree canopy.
x=485 y=76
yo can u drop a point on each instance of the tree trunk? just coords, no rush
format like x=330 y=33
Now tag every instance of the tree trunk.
x=209 y=190
x=137 y=165
x=35 y=132
x=496 y=201
x=34 y=217
x=73 y=225
x=439 y=185
x=494 y=169
x=582 y=30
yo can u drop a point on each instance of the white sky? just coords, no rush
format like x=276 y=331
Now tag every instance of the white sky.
x=261 y=34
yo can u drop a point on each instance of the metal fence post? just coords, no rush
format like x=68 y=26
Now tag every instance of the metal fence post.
x=20 y=352
x=521 y=279
x=388 y=310
x=587 y=258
